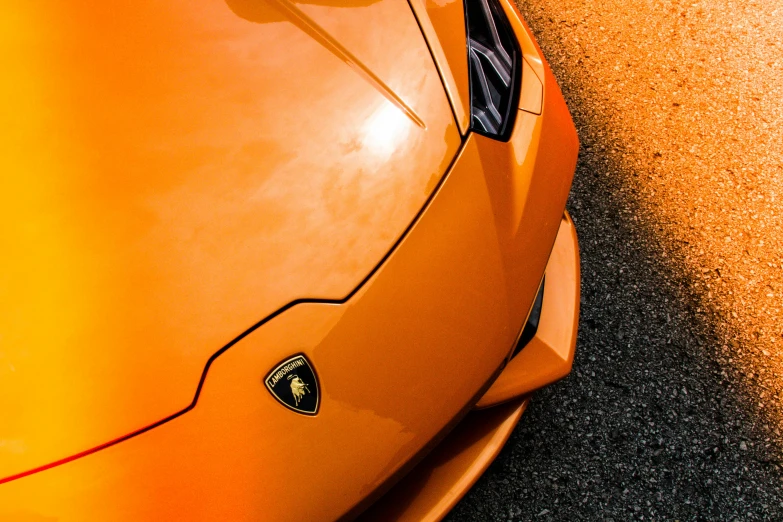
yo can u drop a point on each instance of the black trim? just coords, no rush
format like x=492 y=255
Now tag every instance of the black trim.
x=531 y=326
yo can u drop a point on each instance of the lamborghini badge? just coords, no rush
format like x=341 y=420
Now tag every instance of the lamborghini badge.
x=294 y=384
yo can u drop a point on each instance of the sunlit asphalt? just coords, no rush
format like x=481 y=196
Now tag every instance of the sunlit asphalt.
x=673 y=410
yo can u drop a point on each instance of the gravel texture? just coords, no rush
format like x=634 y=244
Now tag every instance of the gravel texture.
x=673 y=410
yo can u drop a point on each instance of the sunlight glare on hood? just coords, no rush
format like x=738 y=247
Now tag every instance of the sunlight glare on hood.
x=385 y=130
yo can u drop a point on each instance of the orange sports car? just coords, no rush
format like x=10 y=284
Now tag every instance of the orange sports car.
x=274 y=259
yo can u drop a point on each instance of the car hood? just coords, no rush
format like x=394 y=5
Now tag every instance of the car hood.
x=173 y=173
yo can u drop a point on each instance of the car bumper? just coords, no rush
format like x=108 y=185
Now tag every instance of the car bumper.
x=401 y=361
x=434 y=486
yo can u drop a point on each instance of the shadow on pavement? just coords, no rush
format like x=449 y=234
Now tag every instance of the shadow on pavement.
x=655 y=421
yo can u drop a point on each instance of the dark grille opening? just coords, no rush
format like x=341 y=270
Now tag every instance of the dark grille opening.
x=494 y=62
x=531 y=327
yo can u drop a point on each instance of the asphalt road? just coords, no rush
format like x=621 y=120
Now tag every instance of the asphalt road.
x=673 y=410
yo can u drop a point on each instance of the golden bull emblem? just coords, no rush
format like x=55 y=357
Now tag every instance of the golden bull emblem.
x=297 y=374
x=298 y=388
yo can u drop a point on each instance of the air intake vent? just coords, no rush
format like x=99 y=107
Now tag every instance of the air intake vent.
x=493 y=57
x=531 y=327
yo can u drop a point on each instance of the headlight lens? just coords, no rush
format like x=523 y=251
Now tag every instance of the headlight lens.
x=494 y=59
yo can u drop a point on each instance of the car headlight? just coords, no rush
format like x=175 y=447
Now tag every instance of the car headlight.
x=494 y=62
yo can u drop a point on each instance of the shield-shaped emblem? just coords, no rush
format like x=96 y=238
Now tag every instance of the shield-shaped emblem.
x=294 y=384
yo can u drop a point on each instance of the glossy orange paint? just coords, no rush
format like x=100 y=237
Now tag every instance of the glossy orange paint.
x=435 y=486
x=548 y=356
x=443 y=25
x=172 y=174
x=409 y=260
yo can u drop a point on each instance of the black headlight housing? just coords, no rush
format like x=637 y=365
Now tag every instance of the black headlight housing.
x=494 y=61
